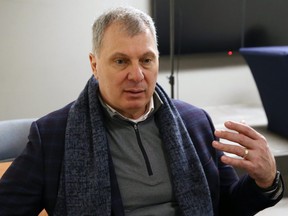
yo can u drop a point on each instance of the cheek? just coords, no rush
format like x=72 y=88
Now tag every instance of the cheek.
x=152 y=76
x=110 y=84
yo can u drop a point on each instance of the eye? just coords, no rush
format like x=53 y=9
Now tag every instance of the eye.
x=120 y=61
x=146 y=61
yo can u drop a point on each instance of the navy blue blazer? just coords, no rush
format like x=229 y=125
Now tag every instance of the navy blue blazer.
x=31 y=182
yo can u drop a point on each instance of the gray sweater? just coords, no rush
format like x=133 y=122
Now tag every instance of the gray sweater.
x=140 y=165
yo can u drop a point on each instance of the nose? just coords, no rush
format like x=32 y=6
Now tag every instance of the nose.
x=136 y=73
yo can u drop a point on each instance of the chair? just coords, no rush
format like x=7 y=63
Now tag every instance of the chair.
x=269 y=67
x=13 y=138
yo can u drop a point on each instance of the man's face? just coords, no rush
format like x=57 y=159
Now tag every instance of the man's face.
x=127 y=69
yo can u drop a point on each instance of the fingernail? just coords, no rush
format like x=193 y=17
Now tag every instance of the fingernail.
x=214 y=143
x=228 y=123
x=217 y=132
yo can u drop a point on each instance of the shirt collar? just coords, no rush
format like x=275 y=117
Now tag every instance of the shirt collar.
x=112 y=112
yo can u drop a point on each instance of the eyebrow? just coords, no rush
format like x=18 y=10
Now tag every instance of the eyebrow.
x=120 y=54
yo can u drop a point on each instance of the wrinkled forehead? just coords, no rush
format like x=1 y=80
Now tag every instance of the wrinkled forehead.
x=130 y=27
x=117 y=30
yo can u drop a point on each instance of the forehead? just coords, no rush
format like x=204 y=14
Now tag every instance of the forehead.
x=118 y=39
x=126 y=30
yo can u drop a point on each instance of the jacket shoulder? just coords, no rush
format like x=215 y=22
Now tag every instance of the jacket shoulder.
x=50 y=131
x=200 y=128
x=190 y=111
x=56 y=117
x=196 y=120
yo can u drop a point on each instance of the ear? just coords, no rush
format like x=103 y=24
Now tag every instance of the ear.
x=92 y=59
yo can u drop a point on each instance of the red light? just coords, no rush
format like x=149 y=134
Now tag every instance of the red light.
x=230 y=53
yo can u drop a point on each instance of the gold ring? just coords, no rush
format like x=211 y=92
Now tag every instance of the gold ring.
x=246 y=152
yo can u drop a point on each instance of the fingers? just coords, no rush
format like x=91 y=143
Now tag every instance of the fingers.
x=246 y=153
x=237 y=162
x=252 y=148
x=232 y=149
x=242 y=134
x=243 y=128
x=243 y=140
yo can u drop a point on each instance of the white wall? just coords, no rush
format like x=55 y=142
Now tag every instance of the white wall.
x=212 y=80
x=44 y=49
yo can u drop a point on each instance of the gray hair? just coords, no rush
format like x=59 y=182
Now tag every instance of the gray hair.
x=133 y=20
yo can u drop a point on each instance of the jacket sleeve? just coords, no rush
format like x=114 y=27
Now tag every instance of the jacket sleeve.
x=231 y=194
x=21 y=186
x=239 y=196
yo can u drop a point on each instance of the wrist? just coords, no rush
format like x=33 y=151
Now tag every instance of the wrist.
x=271 y=185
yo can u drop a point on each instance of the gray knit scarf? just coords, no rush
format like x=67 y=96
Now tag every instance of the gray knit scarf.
x=85 y=180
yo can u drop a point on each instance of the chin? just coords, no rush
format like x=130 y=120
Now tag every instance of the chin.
x=136 y=104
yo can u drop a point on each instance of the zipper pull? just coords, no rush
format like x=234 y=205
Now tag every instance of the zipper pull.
x=136 y=127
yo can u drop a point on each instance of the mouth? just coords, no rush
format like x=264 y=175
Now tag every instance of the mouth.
x=134 y=92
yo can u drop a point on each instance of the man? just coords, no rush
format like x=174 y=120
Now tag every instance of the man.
x=125 y=148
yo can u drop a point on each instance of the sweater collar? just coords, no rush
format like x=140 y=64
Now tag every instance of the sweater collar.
x=154 y=104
